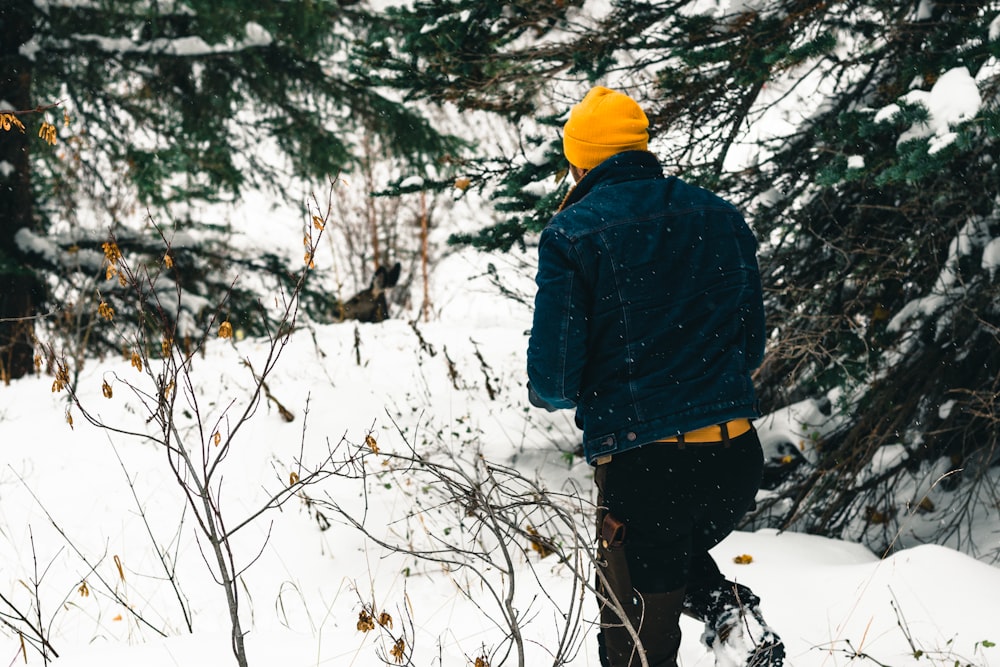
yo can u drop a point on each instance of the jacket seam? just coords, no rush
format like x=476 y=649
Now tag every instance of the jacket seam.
x=652 y=217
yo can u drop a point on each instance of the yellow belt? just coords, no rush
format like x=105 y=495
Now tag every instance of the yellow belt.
x=706 y=435
x=713 y=433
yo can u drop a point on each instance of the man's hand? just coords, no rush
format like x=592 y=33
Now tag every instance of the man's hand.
x=537 y=400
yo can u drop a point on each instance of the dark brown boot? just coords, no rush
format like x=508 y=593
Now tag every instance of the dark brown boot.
x=655 y=616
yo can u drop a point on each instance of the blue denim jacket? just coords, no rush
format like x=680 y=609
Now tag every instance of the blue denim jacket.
x=648 y=317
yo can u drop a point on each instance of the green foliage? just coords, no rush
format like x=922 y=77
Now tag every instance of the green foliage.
x=527 y=210
x=170 y=104
x=872 y=234
x=206 y=83
x=453 y=52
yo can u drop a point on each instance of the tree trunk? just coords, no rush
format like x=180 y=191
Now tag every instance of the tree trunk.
x=20 y=289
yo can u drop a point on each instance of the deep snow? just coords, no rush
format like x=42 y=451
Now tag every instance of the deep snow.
x=430 y=386
x=450 y=386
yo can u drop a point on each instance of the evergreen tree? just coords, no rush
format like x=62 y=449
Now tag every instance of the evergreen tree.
x=875 y=204
x=162 y=104
x=19 y=289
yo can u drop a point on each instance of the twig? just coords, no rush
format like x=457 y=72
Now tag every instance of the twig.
x=169 y=570
x=24 y=112
x=112 y=590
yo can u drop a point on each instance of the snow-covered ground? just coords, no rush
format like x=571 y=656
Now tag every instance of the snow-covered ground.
x=100 y=553
x=75 y=539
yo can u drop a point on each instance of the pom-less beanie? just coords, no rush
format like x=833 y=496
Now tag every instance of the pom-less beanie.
x=603 y=124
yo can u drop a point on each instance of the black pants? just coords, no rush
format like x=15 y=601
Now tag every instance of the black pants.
x=675 y=503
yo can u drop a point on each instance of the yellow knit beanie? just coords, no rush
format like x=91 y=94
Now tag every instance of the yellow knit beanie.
x=603 y=124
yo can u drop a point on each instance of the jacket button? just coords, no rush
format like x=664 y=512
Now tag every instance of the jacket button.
x=631 y=436
x=608 y=442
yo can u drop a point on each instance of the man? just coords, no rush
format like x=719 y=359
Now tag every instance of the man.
x=649 y=321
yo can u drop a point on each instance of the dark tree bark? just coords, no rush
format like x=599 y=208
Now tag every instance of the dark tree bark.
x=20 y=289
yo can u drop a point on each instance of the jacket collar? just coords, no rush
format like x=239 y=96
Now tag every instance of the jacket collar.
x=627 y=166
